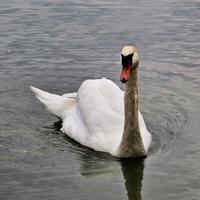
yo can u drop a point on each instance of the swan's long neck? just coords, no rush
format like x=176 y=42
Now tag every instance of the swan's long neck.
x=131 y=143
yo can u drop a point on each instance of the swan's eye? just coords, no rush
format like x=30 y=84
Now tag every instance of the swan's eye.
x=127 y=60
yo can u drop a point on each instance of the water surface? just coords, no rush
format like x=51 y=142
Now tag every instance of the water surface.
x=55 y=45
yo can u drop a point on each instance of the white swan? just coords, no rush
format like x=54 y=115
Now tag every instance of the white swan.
x=101 y=116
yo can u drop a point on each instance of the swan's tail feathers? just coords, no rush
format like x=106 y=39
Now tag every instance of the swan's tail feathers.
x=56 y=104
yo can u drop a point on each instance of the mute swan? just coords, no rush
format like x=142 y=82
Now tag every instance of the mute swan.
x=100 y=115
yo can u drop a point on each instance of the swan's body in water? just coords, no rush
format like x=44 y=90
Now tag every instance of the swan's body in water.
x=101 y=116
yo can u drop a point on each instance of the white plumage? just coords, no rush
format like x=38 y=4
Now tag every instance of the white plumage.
x=94 y=116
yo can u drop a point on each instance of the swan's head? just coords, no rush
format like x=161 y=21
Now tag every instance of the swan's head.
x=130 y=60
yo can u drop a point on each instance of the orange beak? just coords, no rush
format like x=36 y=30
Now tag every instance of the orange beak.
x=125 y=74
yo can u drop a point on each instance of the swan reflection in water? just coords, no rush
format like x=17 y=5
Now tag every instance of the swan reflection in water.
x=105 y=165
x=133 y=175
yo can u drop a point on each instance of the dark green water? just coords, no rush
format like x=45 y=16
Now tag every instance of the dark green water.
x=55 y=45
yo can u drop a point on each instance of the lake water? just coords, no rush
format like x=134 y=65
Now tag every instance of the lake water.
x=55 y=45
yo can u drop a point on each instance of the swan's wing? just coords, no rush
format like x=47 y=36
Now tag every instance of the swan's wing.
x=100 y=102
x=101 y=106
